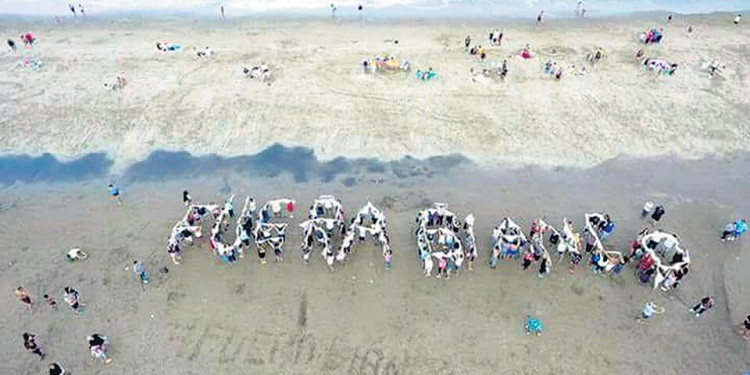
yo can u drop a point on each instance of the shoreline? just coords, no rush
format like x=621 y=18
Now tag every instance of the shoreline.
x=301 y=163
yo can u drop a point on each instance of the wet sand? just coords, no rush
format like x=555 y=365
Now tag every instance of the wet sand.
x=322 y=100
x=360 y=319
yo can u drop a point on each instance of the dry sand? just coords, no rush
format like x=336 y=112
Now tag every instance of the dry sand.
x=322 y=100
x=290 y=319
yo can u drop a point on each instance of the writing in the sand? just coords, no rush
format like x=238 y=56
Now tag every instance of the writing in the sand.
x=303 y=350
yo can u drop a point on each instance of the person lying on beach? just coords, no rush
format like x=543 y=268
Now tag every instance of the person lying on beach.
x=167 y=47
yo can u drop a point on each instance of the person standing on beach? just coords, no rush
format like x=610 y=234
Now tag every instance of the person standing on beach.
x=745 y=331
x=72 y=9
x=647 y=207
x=11 y=45
x=70 y=296
x=51 y=302
x=24 y=297
x=649 y=310
x=659 y=211
x=704 y=305
x=56 y=369
x=669 y=18
x=333 y=11
x=31 y=346
x=186 y=198
x=80 y=9
x=115 y=193
x=540 y=18
x=737 y=20
x=607 y=230
x=140 y=270
x=222 y=13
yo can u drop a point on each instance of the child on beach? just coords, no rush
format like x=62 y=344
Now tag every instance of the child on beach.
x=115 y=193
x=388 y=259
x=649 y=310
x=51 y=302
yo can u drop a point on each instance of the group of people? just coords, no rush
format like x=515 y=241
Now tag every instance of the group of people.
x=439 y=236
x=260 y=72
x=326 y=219
x=98 y=344
x=383 y=63
x=653 y=36
x=265 y=229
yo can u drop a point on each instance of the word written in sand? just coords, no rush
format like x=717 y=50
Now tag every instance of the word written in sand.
x=300 y=350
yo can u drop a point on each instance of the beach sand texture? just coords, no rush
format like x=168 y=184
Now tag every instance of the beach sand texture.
x=286 y=318
x=321 y=98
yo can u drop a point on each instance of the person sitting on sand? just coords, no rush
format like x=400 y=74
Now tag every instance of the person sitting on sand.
x=526 y=52
x=11 y=45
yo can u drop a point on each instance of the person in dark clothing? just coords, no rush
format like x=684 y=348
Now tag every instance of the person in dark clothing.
x=30 y=344
x=658 y=213
x=56 y=369
x=702 y=306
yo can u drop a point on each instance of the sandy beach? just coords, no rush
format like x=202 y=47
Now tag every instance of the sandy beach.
x=322 y=100
x=361 y=319
x=527 y=147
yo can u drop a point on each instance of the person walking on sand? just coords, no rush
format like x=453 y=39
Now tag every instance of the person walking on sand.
x=540 y=18
x=115 y=193
x=745 y=331
x=140 y=270
x=71 y=296
x=98 y=346
x=24 y=297
x=72 y=9
x=704 y=305
x=31 y=346
x=11 y=45
x=187 y=200
x=333 y=11
x=51 y=302
x=649 y=310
